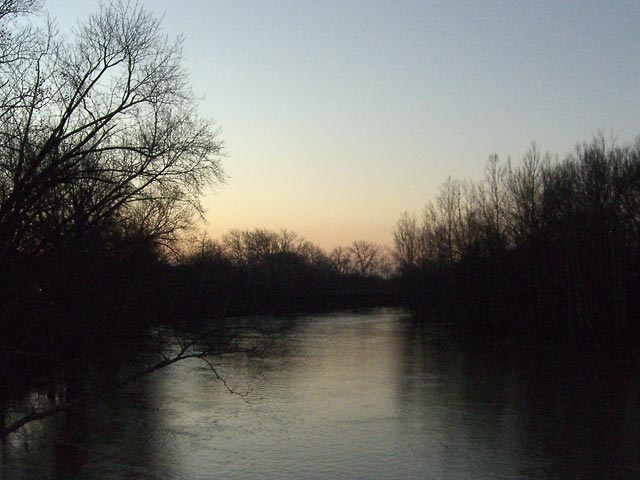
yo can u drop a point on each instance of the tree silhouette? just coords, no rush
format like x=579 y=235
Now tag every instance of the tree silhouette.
x=103 y=159
x=101 y=133
x=366 y=257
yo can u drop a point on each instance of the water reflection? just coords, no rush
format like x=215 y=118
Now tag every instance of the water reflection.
x=348 y=396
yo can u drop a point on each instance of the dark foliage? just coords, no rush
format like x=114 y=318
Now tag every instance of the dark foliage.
x=262 y=271
x=545 y=252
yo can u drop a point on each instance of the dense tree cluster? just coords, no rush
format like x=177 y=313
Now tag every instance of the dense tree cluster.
x=546 y=248
x=262 y=270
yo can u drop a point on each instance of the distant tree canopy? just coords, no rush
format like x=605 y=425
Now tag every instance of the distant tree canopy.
x=547 y=247
x=263 y=270
x=363 y=259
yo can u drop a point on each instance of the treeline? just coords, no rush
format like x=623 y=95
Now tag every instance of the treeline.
x=264 y=271
x=545 y=250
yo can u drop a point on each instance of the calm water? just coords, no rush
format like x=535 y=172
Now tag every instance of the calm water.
x=347 y=396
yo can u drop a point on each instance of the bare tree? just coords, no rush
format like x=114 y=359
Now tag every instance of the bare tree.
x=100 y=144
x=106 y=127
x=443 y=222
x=14 y=7
x=526 y=187
x=407 y=241
x=184 y=348
x=366 y=256
x=313 y=254
x=341 y=261
x=20 y=44
x=494 y=198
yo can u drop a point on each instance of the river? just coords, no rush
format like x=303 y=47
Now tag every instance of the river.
x=347 y=396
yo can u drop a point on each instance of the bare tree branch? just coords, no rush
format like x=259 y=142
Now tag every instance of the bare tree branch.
x=186 y=352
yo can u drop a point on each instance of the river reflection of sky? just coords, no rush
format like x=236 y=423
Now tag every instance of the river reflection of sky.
x=339 y=396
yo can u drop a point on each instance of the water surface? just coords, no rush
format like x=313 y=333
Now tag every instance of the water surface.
x=358 y=396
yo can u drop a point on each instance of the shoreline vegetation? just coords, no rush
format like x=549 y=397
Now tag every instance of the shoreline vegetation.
x=546 y=251
x=103 y=160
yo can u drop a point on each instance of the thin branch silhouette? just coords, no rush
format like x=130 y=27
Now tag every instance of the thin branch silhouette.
x=186 y=352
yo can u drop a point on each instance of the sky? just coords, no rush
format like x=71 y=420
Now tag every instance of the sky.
x=337 y=116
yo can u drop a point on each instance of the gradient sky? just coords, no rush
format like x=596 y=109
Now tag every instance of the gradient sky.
x=339 y=115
